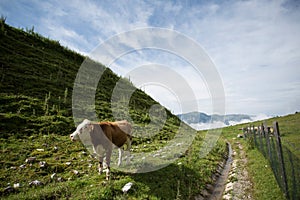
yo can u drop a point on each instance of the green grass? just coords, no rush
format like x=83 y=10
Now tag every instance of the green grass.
x=36 y=81
x=265 y=184
x=182 y=179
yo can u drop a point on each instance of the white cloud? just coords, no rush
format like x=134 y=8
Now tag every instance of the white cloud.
x=254 y=44
x=219 y=124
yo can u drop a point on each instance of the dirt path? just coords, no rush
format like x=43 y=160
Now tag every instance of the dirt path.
x=232 y=180
x=238 y=184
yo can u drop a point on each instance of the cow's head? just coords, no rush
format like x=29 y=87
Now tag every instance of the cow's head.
x=84 y=127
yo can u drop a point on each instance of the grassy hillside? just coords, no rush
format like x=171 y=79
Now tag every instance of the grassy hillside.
x=36 y=81
x=37 y=77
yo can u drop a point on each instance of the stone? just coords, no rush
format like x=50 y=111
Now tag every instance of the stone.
x=23 y=166
x=30 y=160
x=60 y=179
x=68 y=163
x=75 y=172
x=16 y=185
x=35 y=183
x=42 y=164
x=40 y=150
x=127 y=187
x=53 y=176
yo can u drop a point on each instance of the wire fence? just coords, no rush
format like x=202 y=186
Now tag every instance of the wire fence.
x=284 y=163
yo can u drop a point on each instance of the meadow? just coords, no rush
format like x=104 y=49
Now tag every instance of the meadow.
x=38 y=160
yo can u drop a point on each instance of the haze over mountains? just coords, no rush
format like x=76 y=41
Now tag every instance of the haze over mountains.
x=202 y=121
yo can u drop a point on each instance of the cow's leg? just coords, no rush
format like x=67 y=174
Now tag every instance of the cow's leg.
x=120 y=156
x=100 y=152
x=108 y=157
x=100 y=167
x=128 y=156
x=128 y=151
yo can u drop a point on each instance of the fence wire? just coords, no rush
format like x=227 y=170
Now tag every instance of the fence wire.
x=284 y=163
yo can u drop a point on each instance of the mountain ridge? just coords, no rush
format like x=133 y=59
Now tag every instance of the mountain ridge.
x=201 y=117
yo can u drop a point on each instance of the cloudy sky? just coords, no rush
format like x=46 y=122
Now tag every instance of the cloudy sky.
x=254 y=45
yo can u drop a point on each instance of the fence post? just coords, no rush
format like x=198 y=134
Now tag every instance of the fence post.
x=268 y=141
x=254 y=138
x=261 y=135
x=281 y=160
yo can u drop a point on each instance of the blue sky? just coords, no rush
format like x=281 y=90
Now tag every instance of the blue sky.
x=255 y=45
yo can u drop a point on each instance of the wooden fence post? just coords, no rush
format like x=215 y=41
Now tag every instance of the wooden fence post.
x=268 y=141
x=254 y=138
x=281 y=160
x=261 y=134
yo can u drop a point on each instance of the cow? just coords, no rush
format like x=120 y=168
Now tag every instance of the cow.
x=104 y=136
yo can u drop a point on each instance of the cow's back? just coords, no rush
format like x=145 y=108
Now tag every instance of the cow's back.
x=114 y=133
x=125 y=126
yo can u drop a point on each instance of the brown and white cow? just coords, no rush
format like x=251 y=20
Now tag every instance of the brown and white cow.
x=103 y=136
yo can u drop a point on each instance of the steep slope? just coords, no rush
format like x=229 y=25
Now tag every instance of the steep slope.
x=36 y=80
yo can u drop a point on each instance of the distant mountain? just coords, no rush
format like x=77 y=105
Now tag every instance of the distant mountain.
x=200 y=120
x=199 y=117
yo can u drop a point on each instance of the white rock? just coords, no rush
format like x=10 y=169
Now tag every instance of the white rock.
x=227 y=196
x=127 y=187
x=16 y=185
x=40 y=150
x=68 y=163
x=23 y=166
x=53 y=175
x=35 y=183
x=75 y=172
x=42 y=164
x=30 y=160
x=229 y=187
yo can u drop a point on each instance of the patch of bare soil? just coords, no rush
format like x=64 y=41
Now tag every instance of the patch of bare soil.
x=239 y=185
